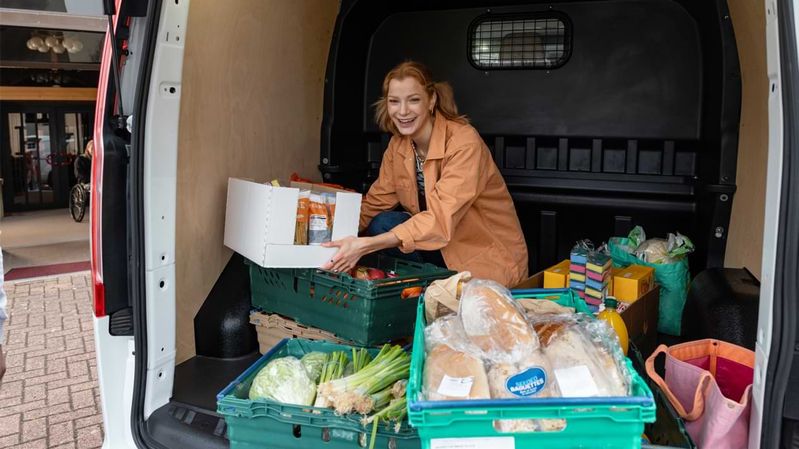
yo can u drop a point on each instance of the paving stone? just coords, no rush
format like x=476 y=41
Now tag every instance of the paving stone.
x=91 y=436
x=82 y=399
x=52 y=410
x=60 y=433
x=8 y=402
x=34 y=363
x=10 y=424
x=69 y=381
x=35 y=392
x=38 y=444
x=9 y=440
x=89 y=420
x=78 y=369
x=17 y=374
x=56 y=365
x=57 y=395
x=74 y=415
x=23 y=407
x=69 y=446
x=43 y=379
x=34 y=429
x=10 y=389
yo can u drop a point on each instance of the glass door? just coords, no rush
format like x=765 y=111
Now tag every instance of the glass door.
x=40 y=146
x=76 y=131
x=31 y=183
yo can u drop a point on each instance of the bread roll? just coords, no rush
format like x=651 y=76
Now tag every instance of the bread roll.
x=494 y=324
x=443 y=361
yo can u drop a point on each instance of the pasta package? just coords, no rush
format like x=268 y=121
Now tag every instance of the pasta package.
x=330 y=202
x=318 y=220
x=301 y=229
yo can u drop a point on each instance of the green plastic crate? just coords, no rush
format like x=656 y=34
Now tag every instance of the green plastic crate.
x=264 y=423
x=668 y=430
x=607 y=423
x=563 y=296
x=365 y=312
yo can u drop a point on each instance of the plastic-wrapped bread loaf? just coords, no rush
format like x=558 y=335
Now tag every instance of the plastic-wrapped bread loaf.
x=494 y=323
x=498 y=375
x=452 y=375
x=448 y=330
x=581 y=366
x=531 y=378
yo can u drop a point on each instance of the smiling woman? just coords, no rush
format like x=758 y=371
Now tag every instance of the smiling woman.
x=457 y=209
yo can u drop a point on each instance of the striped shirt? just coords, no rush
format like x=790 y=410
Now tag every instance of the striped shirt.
x=419 y=179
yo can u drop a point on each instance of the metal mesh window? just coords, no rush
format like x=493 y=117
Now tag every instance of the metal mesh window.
x=540 y=41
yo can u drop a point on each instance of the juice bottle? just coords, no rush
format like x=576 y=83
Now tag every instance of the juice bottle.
x=616 y=322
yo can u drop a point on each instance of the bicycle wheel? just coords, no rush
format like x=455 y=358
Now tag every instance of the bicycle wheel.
x=77 y=202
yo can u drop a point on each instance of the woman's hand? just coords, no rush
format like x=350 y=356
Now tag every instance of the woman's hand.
x=350 y=251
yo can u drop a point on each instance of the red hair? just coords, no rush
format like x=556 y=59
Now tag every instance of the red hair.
x=445 y=104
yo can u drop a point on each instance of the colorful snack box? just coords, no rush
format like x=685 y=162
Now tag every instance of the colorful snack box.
x=632 y=282
x=557 y=276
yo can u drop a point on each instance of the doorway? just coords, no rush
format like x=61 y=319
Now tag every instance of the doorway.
x=40 y=143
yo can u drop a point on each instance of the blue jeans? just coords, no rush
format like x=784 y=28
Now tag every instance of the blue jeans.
x=386 y=221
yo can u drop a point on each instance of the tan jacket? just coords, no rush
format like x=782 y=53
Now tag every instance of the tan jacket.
x=470 y=216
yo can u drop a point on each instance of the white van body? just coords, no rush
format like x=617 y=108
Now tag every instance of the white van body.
x=125 y=417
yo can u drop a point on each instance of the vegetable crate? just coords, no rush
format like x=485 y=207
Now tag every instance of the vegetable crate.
x=273 y=328
x=365 y=312
x=263 y=423
x=597 y=422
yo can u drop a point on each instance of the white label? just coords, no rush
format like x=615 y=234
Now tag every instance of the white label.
x=318 y=223
x=576 y=382
x=473 y=443
x=456 y=387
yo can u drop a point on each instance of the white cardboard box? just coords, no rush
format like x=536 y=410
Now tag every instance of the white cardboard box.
x=260 y=221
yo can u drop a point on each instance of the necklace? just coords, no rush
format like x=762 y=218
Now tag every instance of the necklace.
x=419 y=160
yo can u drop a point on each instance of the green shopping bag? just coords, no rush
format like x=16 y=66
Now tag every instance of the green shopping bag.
x=673 y=278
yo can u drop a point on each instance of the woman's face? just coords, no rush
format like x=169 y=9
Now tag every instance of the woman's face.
x=409 y=106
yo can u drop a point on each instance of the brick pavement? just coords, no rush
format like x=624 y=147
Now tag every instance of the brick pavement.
x=49 y=397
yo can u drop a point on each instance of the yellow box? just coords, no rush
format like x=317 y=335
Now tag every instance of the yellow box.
x=557 y=276
x=632 y=282
x=613 y=272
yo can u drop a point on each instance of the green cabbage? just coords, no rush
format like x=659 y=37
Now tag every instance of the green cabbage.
x=284 y=380
x=313 y=363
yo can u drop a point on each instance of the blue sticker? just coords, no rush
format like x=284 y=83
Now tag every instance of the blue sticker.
x=527 y=383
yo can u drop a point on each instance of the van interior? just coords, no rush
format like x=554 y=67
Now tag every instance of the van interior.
x=601 y=115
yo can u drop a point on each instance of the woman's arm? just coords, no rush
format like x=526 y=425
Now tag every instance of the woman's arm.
x=351 y=249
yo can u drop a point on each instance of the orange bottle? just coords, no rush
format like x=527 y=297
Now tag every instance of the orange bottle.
x=616 y=322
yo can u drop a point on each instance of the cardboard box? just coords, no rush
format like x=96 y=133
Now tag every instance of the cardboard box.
x=632 y=282
x=260 y=222
x=613 y=272
x=557 y=276
x=641 y=319
x=534 y=281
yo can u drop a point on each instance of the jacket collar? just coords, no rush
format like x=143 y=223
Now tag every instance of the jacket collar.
x=437 y=139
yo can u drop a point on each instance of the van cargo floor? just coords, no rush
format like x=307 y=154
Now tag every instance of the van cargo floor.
x=199 y=379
